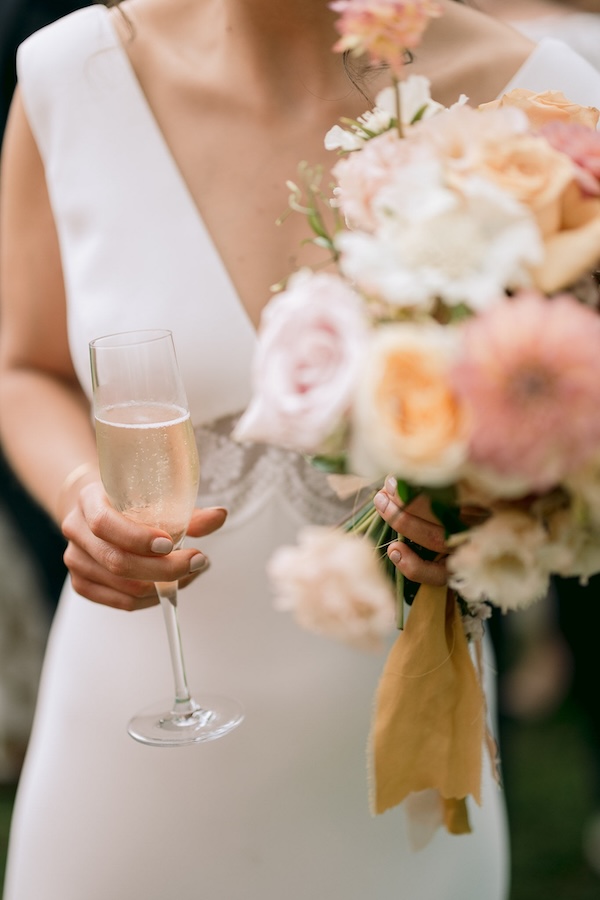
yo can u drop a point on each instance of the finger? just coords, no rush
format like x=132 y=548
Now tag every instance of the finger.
x=205 y=521
x=86 y=572
x=118 y=594
x=94 y=513
x=416 y=569
x=121 y=563
x=421 y=531
x=92 y=581
x=107 y=596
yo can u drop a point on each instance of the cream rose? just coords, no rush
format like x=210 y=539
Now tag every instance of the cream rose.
x=407 y=420
x=548 y=106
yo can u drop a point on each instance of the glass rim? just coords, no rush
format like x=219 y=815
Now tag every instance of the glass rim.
x=120 y=339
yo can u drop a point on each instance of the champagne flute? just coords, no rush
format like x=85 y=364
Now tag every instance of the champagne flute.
x=150 y=471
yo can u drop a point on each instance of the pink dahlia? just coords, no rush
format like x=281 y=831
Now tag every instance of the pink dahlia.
x=530 y=375
x=582 y=145
x=383 y=29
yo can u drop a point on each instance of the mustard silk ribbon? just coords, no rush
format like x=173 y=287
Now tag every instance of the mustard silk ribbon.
x=429 y=723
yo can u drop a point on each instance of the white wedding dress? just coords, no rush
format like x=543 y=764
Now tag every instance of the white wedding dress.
x=278 y=809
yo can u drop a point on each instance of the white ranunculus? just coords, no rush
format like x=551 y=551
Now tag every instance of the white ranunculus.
x=462 y=247
x=335 y=586
x=311 y=341
x=500 y=561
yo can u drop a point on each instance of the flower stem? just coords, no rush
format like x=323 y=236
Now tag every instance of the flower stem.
x=399 y=595
x=397 y=100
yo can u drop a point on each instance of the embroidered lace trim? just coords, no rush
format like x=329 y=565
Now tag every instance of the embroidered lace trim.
x=245 y=478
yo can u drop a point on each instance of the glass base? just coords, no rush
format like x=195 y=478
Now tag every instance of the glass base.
x=205 y=719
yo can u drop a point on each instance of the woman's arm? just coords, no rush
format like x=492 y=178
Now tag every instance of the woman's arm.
x=45 y=422
x=44 y=419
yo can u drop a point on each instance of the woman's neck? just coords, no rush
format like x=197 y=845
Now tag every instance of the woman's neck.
x=278 y=50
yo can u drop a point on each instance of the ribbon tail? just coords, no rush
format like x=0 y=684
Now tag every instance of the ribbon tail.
x=429 y=718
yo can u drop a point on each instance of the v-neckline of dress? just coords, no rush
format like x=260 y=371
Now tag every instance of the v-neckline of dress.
x=157 y=134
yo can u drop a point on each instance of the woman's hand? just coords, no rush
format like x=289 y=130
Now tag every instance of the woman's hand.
x=417 y=523
x=115 y=561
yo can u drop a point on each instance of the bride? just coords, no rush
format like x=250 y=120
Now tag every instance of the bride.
x=144 y=166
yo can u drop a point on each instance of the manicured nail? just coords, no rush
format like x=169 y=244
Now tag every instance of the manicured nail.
x=161 y=545
x=198 y=562
x=391 y=485
x=381 y=501
x=395 y=556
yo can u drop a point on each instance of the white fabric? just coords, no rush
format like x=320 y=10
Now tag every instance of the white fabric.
x=553 y=66
x=279 y=808
x=580 y=30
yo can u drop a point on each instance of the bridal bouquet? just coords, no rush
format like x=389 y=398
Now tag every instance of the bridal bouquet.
x=454 y=344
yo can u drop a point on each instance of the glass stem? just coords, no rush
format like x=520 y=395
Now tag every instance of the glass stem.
x=167 y=591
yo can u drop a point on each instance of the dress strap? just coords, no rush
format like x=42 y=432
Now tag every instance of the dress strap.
x=65 y=66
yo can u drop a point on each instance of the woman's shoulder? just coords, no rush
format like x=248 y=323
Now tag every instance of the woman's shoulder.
x=65 y=39
x=61 y=66
x=468 y=52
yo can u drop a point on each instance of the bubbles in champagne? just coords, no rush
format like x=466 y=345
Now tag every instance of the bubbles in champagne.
x=149 y=463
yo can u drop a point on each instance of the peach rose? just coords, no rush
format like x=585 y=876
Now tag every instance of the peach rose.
x=533 y=172
x=407 y=419
x=548 y=106
x=545 y=181
x=575 y=248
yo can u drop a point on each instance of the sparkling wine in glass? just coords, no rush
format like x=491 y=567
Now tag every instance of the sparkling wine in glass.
x=150 y=470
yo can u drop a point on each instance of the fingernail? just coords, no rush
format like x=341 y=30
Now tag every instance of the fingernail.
x=220 y=509
x=161 y=545
x=395 y=556
x=198 y=562
x=391 y=485
x=381 y=501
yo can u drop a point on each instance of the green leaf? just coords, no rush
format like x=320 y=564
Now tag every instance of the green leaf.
x=419 y=114
x=333 y=464
x=449 y=516
x=406 y=491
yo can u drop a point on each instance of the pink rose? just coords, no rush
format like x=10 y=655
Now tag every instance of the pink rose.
x=582 y=145
x=310 y=344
